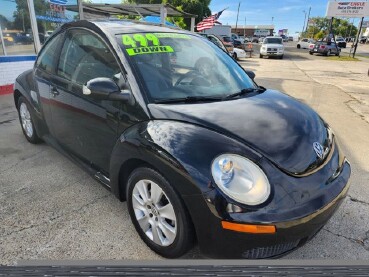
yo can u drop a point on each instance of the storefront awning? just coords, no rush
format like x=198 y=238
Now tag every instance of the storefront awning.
x=107 y=10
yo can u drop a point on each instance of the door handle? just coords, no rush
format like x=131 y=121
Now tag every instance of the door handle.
x=54 y=91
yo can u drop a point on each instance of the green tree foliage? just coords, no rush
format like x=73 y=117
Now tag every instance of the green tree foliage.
x=4 y=22
x=320 y=28
x=197 y=7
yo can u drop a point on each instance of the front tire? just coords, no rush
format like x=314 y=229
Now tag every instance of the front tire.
x=234 y=55
x=261 y=56
x=158 y=213
x=27 y=122
x=311 y=53
x=298 y=46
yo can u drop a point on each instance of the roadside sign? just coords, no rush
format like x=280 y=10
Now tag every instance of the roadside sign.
x=347 y=9
x=261 y=32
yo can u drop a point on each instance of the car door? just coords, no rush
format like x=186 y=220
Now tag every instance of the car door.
x=304 y=43
x=43 y=71
x=85 y=126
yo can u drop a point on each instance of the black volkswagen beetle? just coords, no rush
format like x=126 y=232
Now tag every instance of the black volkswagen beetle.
x=172 y=124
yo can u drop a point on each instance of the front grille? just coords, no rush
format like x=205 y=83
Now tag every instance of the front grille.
x=270 y=251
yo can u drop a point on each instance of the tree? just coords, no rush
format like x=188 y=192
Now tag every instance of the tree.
x=340 y=27
x=197 y=7
x=4 y=22
x=21 y=15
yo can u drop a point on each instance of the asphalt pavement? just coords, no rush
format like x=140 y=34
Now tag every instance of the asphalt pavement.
x=50 y=209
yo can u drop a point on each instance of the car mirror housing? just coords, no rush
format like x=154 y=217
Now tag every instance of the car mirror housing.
x=106 y=89
x=251 y=74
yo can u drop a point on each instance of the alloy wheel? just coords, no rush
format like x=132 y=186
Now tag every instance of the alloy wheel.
x=154 y=212
x=26 y=120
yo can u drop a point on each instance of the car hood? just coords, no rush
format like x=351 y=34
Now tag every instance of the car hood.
x=277 y=126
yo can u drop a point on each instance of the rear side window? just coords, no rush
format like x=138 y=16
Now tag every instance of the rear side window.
x=47 y=57
x=85 y=56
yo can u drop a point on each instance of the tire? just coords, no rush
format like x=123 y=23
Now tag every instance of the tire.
x=281 y=57
x=261 y=56
x=328 y=53
x=234 y=55
x=298 y=46
x=149 y=211
x=26 y=121
x=311 y=53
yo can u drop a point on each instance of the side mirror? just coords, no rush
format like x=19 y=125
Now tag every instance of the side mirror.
x=106 y=89
x=251 y=74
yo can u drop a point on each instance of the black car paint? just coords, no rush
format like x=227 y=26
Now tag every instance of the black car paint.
x=181 y=141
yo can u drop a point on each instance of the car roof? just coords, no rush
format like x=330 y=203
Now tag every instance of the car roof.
x=115 y=27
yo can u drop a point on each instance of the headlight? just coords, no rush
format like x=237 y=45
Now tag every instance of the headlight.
x=240 y=179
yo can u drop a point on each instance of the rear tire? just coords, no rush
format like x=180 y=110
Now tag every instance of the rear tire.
x=26 y=121
x=158 y=213
x=281 y=57
x=328 y=53
x=311 y=53
x=234 y=55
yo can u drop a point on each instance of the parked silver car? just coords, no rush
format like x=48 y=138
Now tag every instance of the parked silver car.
x=325 y=48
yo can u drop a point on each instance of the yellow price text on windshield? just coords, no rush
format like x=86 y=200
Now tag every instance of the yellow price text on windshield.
x=149 y=50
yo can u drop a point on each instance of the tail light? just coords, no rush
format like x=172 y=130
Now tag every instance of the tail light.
x=311 y=46
x=322 y=46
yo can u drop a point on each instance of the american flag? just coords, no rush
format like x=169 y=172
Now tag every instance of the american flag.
x=208 y=22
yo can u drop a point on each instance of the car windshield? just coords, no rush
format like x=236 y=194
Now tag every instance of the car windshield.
x=273 y=41
x=177 y=66
x=227 y=39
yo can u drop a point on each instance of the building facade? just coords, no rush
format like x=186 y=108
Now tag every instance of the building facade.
x=18 y=46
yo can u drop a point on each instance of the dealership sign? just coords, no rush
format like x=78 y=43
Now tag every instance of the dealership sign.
x=260 y=32
x=347 y=9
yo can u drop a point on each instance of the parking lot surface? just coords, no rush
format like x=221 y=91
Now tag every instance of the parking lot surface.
x=50 y=209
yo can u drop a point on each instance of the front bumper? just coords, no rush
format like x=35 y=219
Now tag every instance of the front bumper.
x=271 y=53
x=214 y=241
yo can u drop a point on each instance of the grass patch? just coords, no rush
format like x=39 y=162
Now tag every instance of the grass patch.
x=343 y=59
x=362 y=56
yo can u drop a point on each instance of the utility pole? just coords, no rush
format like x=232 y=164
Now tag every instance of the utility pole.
x=303 y=28
x=238 y=11
x=358 y=36
x=307 y=23
x=244 y=29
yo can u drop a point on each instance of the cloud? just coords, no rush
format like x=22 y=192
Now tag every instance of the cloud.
x=289 y=8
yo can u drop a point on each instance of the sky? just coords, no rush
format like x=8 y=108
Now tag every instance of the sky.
x=284 y=14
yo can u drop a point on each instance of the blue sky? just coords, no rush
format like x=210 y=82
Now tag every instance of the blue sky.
x=287 y=14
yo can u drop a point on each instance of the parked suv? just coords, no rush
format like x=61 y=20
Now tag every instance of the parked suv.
x=272 y=46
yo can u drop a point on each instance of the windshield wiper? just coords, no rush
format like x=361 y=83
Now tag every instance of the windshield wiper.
x=245 y=91
x=188 y=99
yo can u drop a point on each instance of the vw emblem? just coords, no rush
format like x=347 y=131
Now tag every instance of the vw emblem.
x=318 y=148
